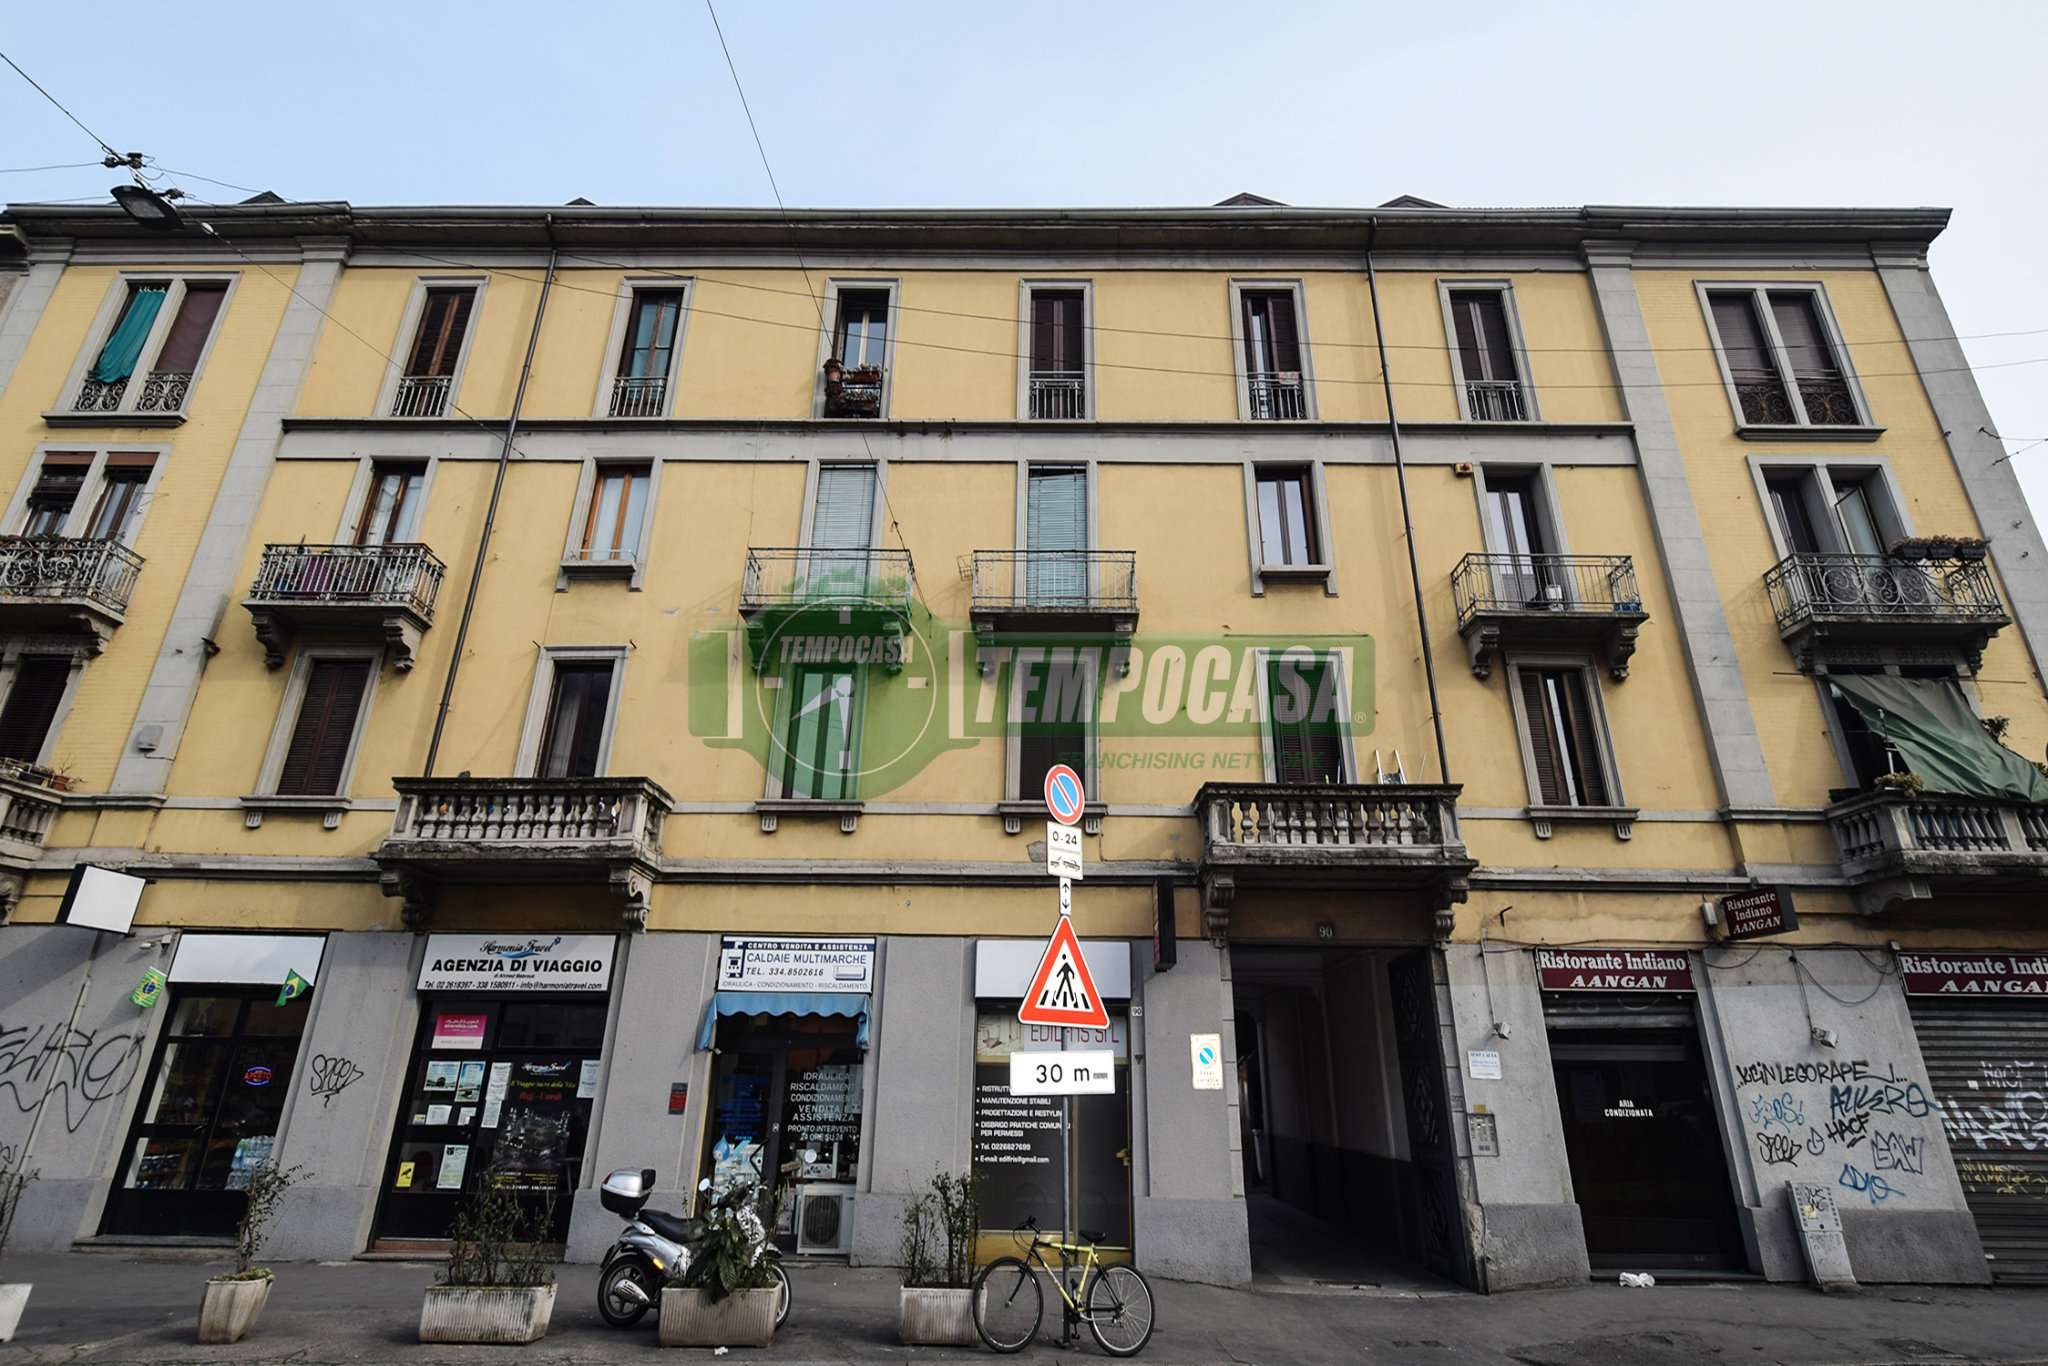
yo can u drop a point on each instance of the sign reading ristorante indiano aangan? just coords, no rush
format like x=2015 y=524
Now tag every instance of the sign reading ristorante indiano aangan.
x=1613 y=970
x=1974 y=974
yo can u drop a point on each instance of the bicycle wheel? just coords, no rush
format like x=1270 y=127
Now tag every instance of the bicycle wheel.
x=1120 y=1311
x=1008 y=1303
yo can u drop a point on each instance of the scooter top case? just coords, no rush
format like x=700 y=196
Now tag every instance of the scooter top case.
x=627 y=1191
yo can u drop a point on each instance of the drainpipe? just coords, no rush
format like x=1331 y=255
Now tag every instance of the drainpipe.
x=1436 y=716
x=483 y=545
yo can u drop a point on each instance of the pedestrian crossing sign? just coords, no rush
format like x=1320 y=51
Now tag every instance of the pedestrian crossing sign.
x=1062 y=992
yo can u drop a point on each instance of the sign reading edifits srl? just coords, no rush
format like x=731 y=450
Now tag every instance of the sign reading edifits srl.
x=1974 y=974
x=1612 y=970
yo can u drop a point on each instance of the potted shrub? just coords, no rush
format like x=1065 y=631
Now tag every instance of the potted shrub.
x=234 y=1298
x=939 y=1228
x=1900 y=784
x=13 y=1295
x=724 y=1294
x=499 y=1284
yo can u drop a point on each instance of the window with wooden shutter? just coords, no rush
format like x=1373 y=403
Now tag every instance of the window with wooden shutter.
x=1564 y=739
x=391 y=510
x=1484 y=350
x=1272 y=334
x=444 y=321
x=197 y=312
x=651 y=339
x=1305 y=721
x=618 y=506
x=56 y=490
x=39 y=683
x=1057 y=341
x=123 y=481
x=316 y=760
x=572 y=745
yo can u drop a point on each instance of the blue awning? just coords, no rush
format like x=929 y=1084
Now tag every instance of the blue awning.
x=852 y=1004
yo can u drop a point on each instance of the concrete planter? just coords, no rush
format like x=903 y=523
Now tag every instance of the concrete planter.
x=13 y=1299
x=745 y=1319
x=928 y=1316
x=476 y=1313
x=229 y=1310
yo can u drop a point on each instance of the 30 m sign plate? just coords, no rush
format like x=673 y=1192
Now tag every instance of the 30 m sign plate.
x=1086 y=1072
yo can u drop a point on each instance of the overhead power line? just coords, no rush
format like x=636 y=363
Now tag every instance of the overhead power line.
x=105 y=146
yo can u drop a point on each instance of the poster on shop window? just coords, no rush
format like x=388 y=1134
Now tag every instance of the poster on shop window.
x=1017 y=1138
x=535 y=1128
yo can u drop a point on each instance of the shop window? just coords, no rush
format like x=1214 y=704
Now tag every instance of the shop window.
x=209 y=1117
x=1017 y=1138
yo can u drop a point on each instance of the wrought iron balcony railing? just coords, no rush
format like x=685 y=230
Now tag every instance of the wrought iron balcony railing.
x=396 y=575
x=1510 y=601
x=164 y=391
x=642 y=396
x=1903 y=846
x=1275 y=396
x=1059 y=395
x=1055 y=582
x=1762 y=396
x=421 y=396
x=1828 y=400
x=1807 y=586
x=1825 y=397
x=820 y=576
x=96 y=572
x=1496 y=400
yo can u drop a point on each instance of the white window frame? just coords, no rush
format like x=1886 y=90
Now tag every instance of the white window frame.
x=1616 y=808
x=829 y=326
x=1021 y=531
x=1547 y=505
x=1025 y=289
x=634 y=569
x=615 y=342
x=103 y=325
x=1759 y=291
x=1517 y=344
x=1090 y=666
x=1324 y=571
x=1262 y=660
x=878 y=518
x=89 y=492
x=360 y=487
x=13 y=648
x=408 y=330
x=773 y=789
x=527 y=762
x=1311 y=410
x=1820 y=471
x=266 y=796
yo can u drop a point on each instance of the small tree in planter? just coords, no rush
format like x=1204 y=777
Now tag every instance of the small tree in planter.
x=499 y=1284
x=234 y=1298
x=14 y=1295
x=940 y=1225
x=725 y=1293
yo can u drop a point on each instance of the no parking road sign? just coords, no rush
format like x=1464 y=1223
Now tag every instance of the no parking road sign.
x=1063 y=795
x=1061 y=991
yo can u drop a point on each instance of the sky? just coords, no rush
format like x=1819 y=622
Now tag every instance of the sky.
x=952 y=103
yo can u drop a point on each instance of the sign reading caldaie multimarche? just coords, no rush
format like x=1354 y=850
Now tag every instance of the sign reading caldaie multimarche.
x=518 y=962
x=1613 y=970
x=1974 y=974
x=767 y=963
x=1751 y=915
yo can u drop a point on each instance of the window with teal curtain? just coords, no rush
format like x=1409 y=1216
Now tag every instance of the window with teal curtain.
x=124 y=344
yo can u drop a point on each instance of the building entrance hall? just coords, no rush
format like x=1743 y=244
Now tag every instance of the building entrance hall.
x=1348 y=1169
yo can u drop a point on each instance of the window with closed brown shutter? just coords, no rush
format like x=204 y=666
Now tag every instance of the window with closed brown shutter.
x=1487 y=362
x=193 y=325
x=39 y=683
x=56 y=490
x=1059 y=355
x=122 y=483
x=1274 y=391
x=444 y=320
x=1305 y=722
x=315 y=761
x=1781 y=358
x=1564 y=742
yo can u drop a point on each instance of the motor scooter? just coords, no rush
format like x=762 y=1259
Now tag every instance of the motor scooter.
x=634 y=1269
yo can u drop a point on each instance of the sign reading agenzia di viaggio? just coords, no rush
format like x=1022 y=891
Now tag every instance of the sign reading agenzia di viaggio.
x=513 y=962
x=1612 y=970
x=761 y=963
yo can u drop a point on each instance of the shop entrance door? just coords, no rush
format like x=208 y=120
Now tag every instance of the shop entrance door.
x=1640 y=1134
x=216 y=1090
x=500 y=1091
x=786 y=1095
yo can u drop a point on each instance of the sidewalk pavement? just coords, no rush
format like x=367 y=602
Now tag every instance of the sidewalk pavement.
x=119 y=1308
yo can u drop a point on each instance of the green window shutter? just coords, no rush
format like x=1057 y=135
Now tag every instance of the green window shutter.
x=1308 y=742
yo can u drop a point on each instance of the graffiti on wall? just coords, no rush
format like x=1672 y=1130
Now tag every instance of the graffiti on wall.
x=328 y=1076
x=1852 y=1118
x=85 y=1067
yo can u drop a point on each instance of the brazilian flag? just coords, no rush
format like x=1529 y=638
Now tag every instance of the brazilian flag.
x=294 y=987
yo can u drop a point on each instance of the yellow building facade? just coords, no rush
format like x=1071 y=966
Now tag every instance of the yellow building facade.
x=616 y=657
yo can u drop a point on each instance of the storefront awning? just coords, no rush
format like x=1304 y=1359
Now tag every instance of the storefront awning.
x=853 y=1005
x=1930 y=723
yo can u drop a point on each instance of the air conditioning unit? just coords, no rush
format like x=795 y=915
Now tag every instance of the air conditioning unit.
x=824 y=1220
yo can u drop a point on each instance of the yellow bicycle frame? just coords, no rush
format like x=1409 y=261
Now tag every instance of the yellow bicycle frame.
x=1088 y=1260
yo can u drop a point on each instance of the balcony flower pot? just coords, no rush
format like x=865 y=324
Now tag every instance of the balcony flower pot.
x=1971 y=550
x=229 y=1308
x=936 y=1316
x=486 y=1313
x=691 y=1318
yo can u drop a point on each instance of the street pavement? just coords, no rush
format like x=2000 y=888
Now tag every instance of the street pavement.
x=106 y=1307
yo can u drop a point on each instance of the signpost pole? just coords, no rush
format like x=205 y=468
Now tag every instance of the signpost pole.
x=1066 y=1169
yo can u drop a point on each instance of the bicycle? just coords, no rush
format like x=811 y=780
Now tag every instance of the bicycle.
x=1114 y=1301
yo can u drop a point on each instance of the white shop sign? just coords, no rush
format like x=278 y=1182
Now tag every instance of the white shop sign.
x=763 y=963
x=518 y=962
x=1003 y=967
x=255 y=960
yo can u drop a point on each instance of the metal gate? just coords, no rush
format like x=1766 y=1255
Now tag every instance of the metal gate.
x=1439 y=1219
x=1987 y=1062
